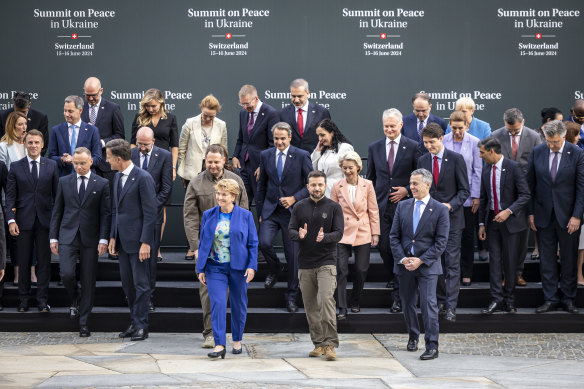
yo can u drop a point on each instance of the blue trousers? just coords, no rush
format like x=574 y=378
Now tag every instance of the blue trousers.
x=220 y=276
x=136 y=284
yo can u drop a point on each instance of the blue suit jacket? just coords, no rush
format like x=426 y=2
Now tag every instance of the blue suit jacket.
x=294 y=179
x=478 y=128
x=134 y=211
x=429 y=240
x=160 y=168
x=565 y=195
x=410 y=128
x=31 y=202
x=260 y=138
x=242 y=234
x=316 y=113
x=88 y=136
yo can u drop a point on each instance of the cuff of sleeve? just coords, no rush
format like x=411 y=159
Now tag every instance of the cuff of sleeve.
x=103 y=241
x=11 y=221
x=401 y=261
x=53 y=241
x=102 y=143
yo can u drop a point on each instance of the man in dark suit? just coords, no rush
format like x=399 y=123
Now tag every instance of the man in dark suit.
x=66 y=137
x=303 y=116
x=400 y=154
x=555 y=175
x=517 y=143
x=450 y=187
x=256 y=118
x=415 y=122
x=283 y=175
x=30 y=192
x=79 y=232
x=107 y=117
x=502 y=218
x=158 y=162
x=36 y=120
x=132 y=234
x=418 y=238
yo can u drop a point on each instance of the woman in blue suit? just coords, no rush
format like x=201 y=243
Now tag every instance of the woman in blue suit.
x=227 y=257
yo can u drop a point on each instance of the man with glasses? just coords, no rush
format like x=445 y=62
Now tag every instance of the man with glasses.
x=256 y=119
x=415 y=122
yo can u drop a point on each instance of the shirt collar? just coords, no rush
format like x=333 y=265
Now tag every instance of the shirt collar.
x=96 y=105
x=128 y=169
x=85 y=175
x=304 y=107
x=396 y=140
x=148 y=154
x=561 y=148
x=440 y=154
x=518 y=134
x=285 y=151
x=425 y=199
x=38 y=159
x=257 y=108
x=499 y=164
x=78 y=124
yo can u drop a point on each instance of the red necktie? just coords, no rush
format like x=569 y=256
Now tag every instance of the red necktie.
x=436 y=171
x=514 y=147
x=300 y=123
x=494 y=185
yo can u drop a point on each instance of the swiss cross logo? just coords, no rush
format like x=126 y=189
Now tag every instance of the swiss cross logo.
x=383 y=36
x=74 y=36
x=538 y=36
x=228 y=35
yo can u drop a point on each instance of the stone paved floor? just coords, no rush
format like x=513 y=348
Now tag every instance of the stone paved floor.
x=63 y=360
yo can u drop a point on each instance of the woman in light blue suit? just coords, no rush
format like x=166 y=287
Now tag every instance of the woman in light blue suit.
x=227 y=257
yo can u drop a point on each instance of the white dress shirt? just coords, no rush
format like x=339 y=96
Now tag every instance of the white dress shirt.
x=78 y=127
x=518 y=138
x=559 y=157
x=499 y=167
x=304 y=113
x=285 y=151
x=126 y=173
x=395 y=147
x=142 y=156
x=422 y=208
x=439 y=155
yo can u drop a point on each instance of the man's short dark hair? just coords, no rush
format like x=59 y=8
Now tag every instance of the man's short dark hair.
x=35 y=133
x=491 y=143
x=120 y=148
x=316 y=174
x=21 y=100
x=423 y=96
x=216 y=149
x=433 y=130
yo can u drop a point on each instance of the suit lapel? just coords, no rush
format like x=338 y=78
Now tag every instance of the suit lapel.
x=311 y=116
x=424 y=218
x=199 y=134
x=401 y=149
x=443 y=166
x=347 y=194
x=288 y=164
x=81 y=134
x=258 y=120
x=153 y=160
x=27 y=171
x=129 y=182
x=91 y=183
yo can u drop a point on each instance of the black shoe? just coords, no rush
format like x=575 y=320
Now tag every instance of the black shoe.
x=84 y=332
x=429 y=354
x=128 y=332
x=159 y=258
x=189 y=257
x=342 y=314
x=355 y=309
x=451 y=314
x=23 y=307
x=441 y=309
x=390 y=285
x=73 y=312
x=412 y=345
x=571 y=308
x=493 y=307
x=291 y=306
x=270 y=280
x=237 y=350
x=151 y=307
x=483 y=259
x=113 y=257
x=510 y=308
x=396 y=307
x=217 y=354
x=44 y=308
x=140 y=334
x=466 y=283
x=547 y=307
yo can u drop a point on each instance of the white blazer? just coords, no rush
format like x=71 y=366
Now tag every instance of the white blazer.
x=12 y=153
x=328 y=163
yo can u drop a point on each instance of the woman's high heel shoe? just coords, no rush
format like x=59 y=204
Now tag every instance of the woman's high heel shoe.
x=217 y=354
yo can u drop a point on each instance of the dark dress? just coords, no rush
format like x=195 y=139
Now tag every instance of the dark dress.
x=165 y=133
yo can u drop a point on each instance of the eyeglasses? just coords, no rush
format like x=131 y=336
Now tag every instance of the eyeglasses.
x=244 y=105
x=143 y=144
x=93 y=95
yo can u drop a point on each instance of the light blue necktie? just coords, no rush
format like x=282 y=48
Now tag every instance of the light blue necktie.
x=73 y=142
x=279 y=165
x=416 y=218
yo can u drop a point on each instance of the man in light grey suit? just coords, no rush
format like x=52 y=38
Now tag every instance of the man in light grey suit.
x=517 y=142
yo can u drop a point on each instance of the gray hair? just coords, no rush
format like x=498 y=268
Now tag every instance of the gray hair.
x=392 y=112
x=299 y=83
x=512 y=116
x=82 y=150
x=423 y=96
x=282 y=126
x=247 y=90
x=426 y=175
x=351 y=156
x=553 y=128
x=78 y=101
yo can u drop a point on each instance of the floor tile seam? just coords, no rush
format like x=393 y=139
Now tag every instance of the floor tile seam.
x=394 y=357
x=294 y=367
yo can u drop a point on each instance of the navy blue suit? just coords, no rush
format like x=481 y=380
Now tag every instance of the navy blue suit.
x=36 y=120
x=429 y=242
x=316 y=113
x=87 y=136
x=274 y=216
x=553 y=204
x=160 y=168
x=134 y=211
x=33 y=205
x=250 y=146
x=410 y=128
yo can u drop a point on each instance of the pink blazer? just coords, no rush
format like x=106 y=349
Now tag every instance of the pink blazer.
x=361 y=217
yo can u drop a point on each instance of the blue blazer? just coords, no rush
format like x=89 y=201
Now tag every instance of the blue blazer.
x=260 y=137
x=316 y=113
x=88 y=136
x=566 y=195
x=478 y=128
x=429 y=240
x=294 y=179
x=242 y=234
x=31 y=202
x=410 y=128
x=160 y=168
x=134 y=211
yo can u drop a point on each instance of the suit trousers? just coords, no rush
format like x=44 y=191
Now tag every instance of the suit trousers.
x=37 y=238
x=269 y=227
x=467 y=244
x=318 y=288
x=449 y=281
x=136 y=284
x=69 y=254
x=412 y=283
x=154 y=257
x=361 y=266
x=249 y=181
x=504 y=249
x=548 y=239
x=220 y=276
x=523 y=242
x=386 y=222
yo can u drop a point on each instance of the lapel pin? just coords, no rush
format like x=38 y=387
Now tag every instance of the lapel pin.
x=404 y=147
x=94 y=192
x=102 y=108
x=445 y=160
x=569 y=152
x=133 y=179
x=29 y=119
x=430 y=209
x=313 y=111
x=156 y=155
x=502 y=170
x=262 y=114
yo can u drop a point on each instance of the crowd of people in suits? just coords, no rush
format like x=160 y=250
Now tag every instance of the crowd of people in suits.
x=432 y=187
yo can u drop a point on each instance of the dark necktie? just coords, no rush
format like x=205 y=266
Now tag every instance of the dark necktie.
x=420 y=128
x=554 y=168
x=390 y=156
x=120 y=186
x=81 y=189
x=93 y=114
x=35 y=173
x=279 y=165
x=249 y=128
x=436 y=171
x=494 y=185
x=145 y=162
x=300 y=123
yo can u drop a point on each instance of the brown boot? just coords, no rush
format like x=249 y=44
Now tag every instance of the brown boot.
x=317 y=352
x=329 y=353
x=521 y=281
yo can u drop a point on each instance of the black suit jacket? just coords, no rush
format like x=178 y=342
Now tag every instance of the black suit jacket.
x=453 y=187
x=3 y=179
x=90 y=218
x=160 y=168
x=110 y=124
x=36 y=121
x=514 y=195
x=316 y=113
x=260 y=138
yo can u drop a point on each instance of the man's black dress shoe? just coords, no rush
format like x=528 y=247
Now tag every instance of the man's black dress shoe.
x=412 y=345
x=396 y=307
x=151 y=307
x=451 y=314
x=355 y=309
x=390 y=285
x=113 y=257
x=441 y=309
x=571 y=308
x=492 y=308
x=159 y=259
x=342 y=314
x=44 y=308
x=237 y=350
x=291 y=306
x=510 y=308
x=84 y=332
x=73 y=312
x=128 y=332
x=217 y=354
x=270 y=280
x=190 y=257
x=547 y=307
x=1 y=306
x=23 y=307
x=140 y=334
x=429 y=354
x=466 y=283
